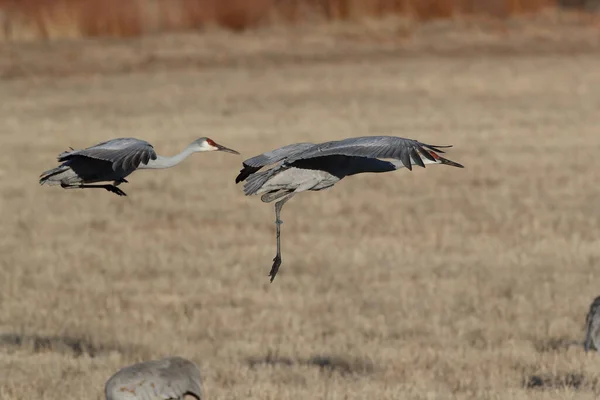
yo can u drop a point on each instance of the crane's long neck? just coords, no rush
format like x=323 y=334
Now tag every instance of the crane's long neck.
x=168 y=162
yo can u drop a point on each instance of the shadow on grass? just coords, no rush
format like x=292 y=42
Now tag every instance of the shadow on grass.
x=575 y=381
x=326 y=363
x=74 y=346
x=556 y=344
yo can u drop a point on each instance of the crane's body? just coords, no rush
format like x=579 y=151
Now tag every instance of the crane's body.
x=115 y=160
x=171 y=378
x=592 y=327
x=306 y=166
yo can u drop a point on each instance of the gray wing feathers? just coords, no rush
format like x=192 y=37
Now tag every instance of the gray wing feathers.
x=271 y=157
x=125 y=153
x=405 y=150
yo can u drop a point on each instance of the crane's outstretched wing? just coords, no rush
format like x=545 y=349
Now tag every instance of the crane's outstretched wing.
x=124 y=153
x=408 y=151
x=253 y=164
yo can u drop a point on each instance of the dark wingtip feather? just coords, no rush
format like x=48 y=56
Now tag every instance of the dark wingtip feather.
x=427 y=155
x=64 y=156
x=417 y=158
x=138 y=160
x=445 y=161
x=437 y=148
x=405 y=158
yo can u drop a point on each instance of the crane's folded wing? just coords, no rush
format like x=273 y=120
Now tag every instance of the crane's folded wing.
x=125 y=153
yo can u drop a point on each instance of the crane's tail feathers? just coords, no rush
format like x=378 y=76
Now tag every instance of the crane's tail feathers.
x=254 y=182
x=246 y=172
x=46 y=175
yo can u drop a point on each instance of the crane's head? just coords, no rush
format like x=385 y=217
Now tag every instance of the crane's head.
x=207 y=144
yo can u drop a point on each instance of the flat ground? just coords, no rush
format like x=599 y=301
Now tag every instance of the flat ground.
x=433 y=284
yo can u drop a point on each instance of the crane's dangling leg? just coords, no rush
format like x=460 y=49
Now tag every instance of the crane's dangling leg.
x=110 y=188
x=278 y=222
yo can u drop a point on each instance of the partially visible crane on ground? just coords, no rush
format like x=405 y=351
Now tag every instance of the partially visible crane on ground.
x=171 y=378
x=592 y=327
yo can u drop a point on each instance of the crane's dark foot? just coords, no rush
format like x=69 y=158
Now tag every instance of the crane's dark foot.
x=115 y=190
x=275 y=267
x=122 y=180
x=110 y=188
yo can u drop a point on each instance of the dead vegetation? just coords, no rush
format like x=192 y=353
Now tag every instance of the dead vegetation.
x=71 y=346
x=37 y=19
x=566 y=381
x=333 y=364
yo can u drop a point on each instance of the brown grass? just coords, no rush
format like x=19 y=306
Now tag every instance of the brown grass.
x=39 y=19
x=436 y=284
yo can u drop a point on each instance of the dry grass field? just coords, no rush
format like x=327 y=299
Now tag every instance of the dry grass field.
x=433 y=284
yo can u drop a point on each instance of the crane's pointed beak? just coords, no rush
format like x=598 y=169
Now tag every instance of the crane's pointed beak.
x=225 y=149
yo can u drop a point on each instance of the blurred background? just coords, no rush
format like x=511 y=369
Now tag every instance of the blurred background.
x=47 y=19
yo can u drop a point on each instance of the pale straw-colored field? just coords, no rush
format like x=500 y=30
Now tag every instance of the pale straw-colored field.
x=441 y=283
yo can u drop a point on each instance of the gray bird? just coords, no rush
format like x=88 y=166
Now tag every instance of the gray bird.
x=307 y=166
x=169 y=378
x=592 y=327
x=114 y=160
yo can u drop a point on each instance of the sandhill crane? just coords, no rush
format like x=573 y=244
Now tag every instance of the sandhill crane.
x=308 y=166
x=114 y=160
x=169 y=378
x=592 y=326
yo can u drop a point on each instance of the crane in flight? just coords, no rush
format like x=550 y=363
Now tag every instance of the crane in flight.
x=114 y=160
x=171 y=378
x=307 y=166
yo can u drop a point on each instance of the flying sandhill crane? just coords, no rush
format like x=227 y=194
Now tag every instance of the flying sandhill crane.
x=114 y=160
x=169 y=378
x=308 y=166
x=592 y=327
